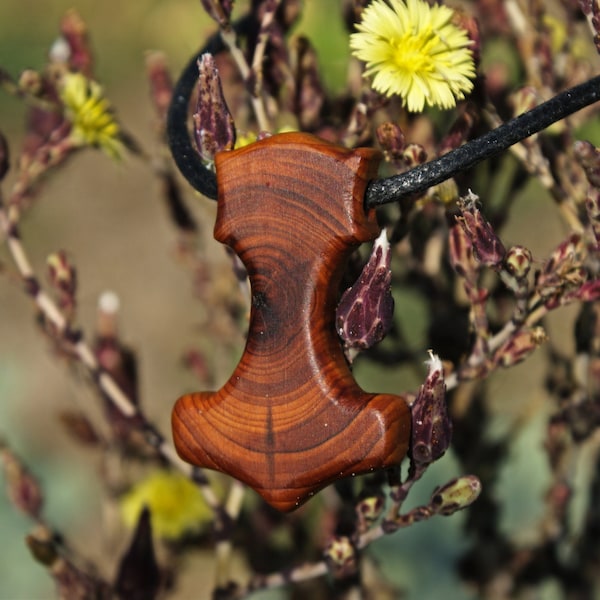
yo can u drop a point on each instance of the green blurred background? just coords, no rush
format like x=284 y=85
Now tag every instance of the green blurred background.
x=111 y=221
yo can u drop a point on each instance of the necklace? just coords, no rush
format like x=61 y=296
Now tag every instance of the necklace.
x=291 y=419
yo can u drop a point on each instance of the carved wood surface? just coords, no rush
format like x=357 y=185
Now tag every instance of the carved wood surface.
x=291 y=418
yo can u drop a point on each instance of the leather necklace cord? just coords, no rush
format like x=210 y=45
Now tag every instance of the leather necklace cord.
x=389 y=189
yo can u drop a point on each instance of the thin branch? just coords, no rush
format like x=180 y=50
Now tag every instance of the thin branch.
x=85 y=355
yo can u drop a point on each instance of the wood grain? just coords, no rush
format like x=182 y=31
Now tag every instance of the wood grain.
x=292 y=419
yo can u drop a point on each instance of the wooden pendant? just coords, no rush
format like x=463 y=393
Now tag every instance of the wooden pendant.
x=292 y=419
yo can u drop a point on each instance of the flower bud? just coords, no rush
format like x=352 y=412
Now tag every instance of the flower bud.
x=74 y=30
x=341 y=556
x=369 y=509
x=391 y=139
x=62 y=273
x=563 y=270
x=4 y=157
x=518 y=347
x=364 y=313
x=79 y=428
x=455 y=495
x=592 y=206
x=518 y=261
x=588 y=157
x=587 y=292
x=413 y=155
x=161 y=85
x=309 y=96
x=431 y=425
x=139 y=575
x=460 y=130
x=461 y=254
x=214 y=129
x=564 y=257
x=487 y=246
x=22 y=487
x=118 y=361
x=219 y=10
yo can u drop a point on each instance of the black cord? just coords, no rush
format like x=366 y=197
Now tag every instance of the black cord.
x=390 y=189
x=417 y=180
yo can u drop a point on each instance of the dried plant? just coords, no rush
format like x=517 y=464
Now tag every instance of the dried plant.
x=487 y=301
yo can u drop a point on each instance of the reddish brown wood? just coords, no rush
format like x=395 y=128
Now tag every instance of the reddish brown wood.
x=291 y=419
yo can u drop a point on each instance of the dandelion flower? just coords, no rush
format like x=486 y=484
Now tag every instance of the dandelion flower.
x=414 y=50
x=90 y=114
x=175 y=504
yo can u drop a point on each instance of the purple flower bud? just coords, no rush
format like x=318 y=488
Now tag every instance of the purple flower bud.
x=391 y=139
x=562 y=271
x=455 y=495
x=219 y=10
x=42 y=547
x=79 y=428
x=213 y=124
x=592 y=205
x=461 y=254
x=431 y=425
x=139 y=575
x=364 y=313
x=70 y=580
x=369 y=509
x=589 y=291
x=30 y=82
x=74 y=30
x=487 y=246
x=588 y=157
x=460 y=130
x=161 y=85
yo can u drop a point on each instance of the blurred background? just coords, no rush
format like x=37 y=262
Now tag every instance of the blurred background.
x=111 y=220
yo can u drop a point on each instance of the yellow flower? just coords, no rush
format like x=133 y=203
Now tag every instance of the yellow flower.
x=90 y=114
x=244 y=139
x=414 y=50
x=557 y=30
x=175 y=503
